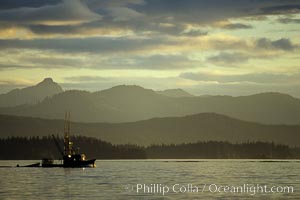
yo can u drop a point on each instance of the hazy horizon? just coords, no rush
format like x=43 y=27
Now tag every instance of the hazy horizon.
x=7 y=90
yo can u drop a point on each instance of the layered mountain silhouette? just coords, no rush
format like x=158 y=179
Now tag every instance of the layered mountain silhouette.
x=175 y=93
x=133 y=103
x=200 y=127
x=30 y=95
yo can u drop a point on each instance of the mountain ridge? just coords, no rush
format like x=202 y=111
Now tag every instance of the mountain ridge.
x=170 y=130
x=127 y=103
x=30 y=95
x=175 y=93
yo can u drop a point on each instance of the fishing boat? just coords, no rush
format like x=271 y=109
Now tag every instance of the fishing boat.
x=71 y=158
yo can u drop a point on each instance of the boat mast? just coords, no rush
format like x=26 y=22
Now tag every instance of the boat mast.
x=67 y=142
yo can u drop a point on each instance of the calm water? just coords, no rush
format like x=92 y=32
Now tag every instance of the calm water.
x=126 y=179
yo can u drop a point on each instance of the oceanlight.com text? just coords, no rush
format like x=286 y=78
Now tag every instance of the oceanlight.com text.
x=248 y=189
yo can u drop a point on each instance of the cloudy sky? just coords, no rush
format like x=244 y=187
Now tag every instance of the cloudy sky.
x=232 y=47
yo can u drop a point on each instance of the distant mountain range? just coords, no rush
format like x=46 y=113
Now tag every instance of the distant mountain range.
x=30 y=95
x=175 y=93
x=133 y=103
x=200 y=127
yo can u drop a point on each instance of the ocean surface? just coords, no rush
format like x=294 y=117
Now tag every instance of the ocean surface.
x=154 y=179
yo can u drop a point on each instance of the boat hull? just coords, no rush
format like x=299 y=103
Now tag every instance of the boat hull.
x=52 y=165
x=80 y=164
x=72 y=164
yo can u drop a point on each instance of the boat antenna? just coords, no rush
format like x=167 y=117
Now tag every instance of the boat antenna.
x=67 y=142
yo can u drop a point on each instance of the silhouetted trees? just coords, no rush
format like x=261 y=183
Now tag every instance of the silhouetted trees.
x=213 y=149
x=44 y=147
x=23 y=148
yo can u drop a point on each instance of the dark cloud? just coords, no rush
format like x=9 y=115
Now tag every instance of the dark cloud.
x=67 y=12
x=199 y=12
x=282 y=9
x=53 y=62
x=96 y=4
x=153 y=62
x=91 y=44
x=195 y=33
x=164 y=62
x=289 y=21
x=136 y=15
x=103 y=27
x=87 y=29
x=228 y=58
x=124 y=14
x=207 y=11
x=44 y=29
x=14 y=66
x=282 y=44
x=221 y=44
x=237 y=26
x=12 y=4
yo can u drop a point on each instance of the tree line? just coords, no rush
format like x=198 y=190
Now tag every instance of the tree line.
x=35 y=148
